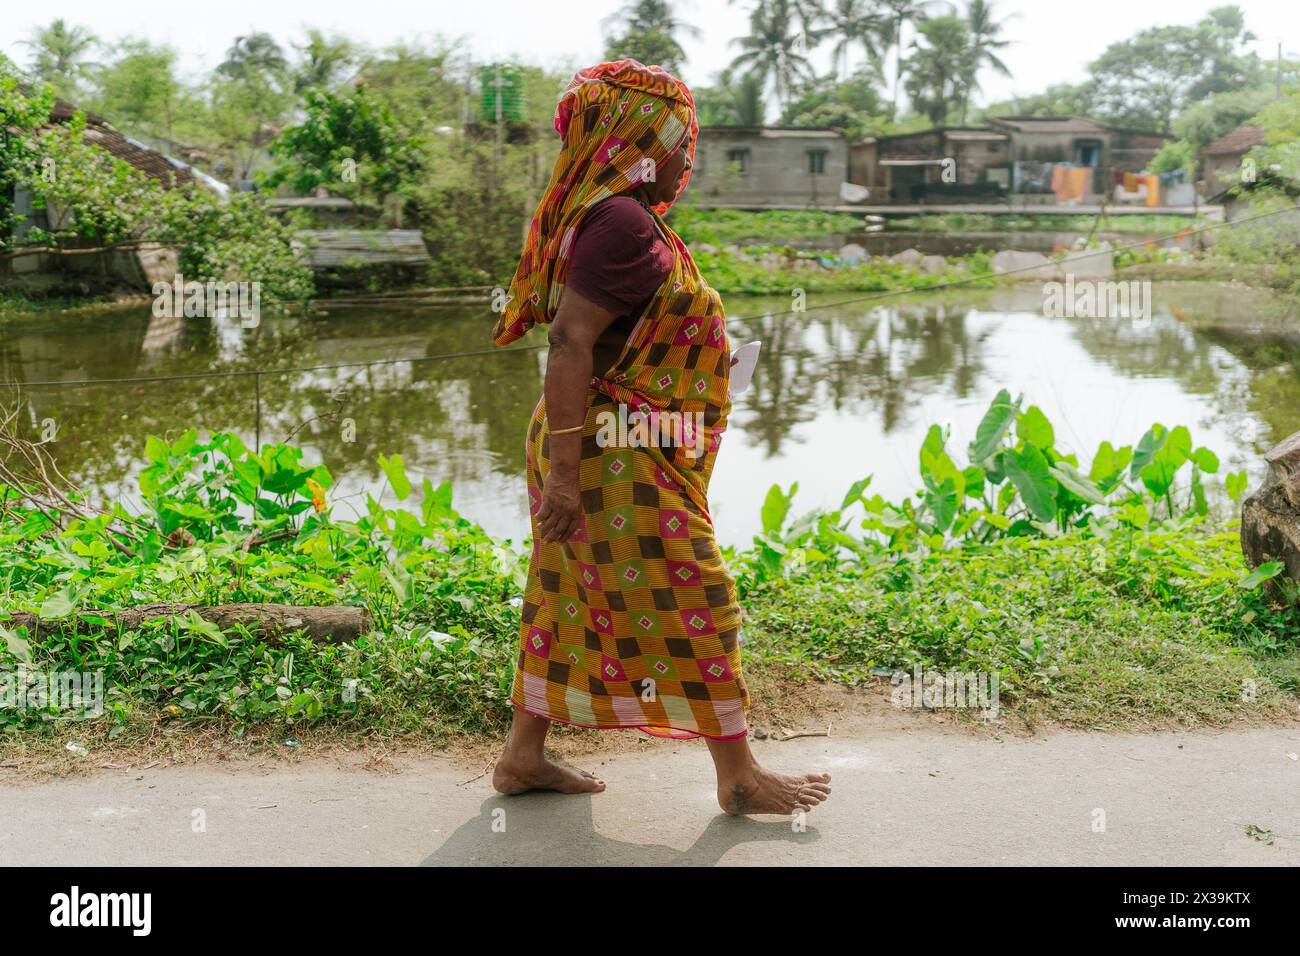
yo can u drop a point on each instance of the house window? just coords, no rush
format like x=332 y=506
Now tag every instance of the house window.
x=1088 y=153
x=738 y=159
x=816 y=161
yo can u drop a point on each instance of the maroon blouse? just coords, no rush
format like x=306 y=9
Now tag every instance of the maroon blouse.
x=619 y=259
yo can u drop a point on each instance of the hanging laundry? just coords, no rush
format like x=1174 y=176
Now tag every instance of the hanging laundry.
x=1153 y=190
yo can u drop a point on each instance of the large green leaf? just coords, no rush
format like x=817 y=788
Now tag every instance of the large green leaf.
x=993 y=426
x=1033 y=427
x=395 y=469
x=18 y=647
x=776 y=507
x=1078 y=484
x=1030 y=473
x=1265 y=572
x=855 y=491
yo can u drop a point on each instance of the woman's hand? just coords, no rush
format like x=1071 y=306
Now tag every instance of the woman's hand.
x=561 y=508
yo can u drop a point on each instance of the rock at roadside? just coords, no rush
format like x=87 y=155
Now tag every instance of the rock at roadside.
x=934 y=265
x=908 y=257
x=852 y=253
x=1025 y=265
x=1098 y=263
x=1270 y=516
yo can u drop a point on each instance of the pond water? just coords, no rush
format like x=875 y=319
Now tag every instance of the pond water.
x=841 y=391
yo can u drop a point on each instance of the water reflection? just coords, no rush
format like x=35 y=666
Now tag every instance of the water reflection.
x=840 y=392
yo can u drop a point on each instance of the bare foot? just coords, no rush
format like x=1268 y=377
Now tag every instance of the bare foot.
x=764 y=791
x=518 y=777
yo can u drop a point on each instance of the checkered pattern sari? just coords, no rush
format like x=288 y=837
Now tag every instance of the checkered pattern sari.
x=634 y=622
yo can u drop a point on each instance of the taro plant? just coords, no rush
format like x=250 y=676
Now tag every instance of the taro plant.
x=1016 y=482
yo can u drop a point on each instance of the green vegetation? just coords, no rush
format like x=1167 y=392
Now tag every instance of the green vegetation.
x=718 y=226
x=1138 y=223
x=115 y=204
x=1099 y=596
x=778 y=270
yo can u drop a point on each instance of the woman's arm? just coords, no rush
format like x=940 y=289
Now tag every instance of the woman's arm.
x=573 y=333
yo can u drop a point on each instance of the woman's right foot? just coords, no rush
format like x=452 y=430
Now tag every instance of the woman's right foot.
x=765 y=791
x=516 y=776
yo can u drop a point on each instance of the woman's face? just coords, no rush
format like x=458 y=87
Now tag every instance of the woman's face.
x=669 y=177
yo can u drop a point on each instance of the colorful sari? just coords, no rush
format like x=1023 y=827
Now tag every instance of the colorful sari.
x=633 y=622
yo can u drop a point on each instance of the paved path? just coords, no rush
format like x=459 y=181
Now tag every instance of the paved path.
x=901 y=797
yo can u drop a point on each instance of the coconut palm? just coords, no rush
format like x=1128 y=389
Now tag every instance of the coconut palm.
x=323 y=61
x=852 y=23
x=940 y=62
x=897 y=15
x=58 y=55
x=775 y=48
x=252 y=56
x=649 y=30
x=984 y=41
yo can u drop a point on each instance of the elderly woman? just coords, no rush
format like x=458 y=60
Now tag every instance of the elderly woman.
x=630 y=619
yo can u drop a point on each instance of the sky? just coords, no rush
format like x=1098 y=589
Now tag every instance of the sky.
x=1053 y=42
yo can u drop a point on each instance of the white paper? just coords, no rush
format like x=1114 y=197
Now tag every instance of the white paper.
x=746 y=360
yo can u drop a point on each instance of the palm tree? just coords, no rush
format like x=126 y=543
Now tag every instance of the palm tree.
x=984 y=42
x=254 y=55
x=898 y=14
x=649 y=34
x=58 y=55
x=323 y=61
x=852 y=22
x=937 y=69
x=774 y=50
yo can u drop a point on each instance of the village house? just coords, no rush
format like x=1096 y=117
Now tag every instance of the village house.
x=769 y=166
x=138 y=267
x=1039 y=160
x=1221 y=161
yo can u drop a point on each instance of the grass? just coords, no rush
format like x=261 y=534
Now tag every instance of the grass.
x=1135 y=631
x=1118 y=633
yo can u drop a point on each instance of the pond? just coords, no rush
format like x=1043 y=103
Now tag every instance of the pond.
x=841 y=391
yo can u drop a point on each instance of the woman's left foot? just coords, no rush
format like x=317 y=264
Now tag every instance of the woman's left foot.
x=764 y=791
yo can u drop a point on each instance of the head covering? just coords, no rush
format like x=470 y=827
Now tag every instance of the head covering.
x=620 y=123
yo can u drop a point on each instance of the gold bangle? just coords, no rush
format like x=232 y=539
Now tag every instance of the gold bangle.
x=566 y=431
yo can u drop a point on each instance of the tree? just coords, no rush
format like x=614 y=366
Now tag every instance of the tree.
x=774 y=50
x=852 y=23
x=138 y=90
x=649 y=35
x=323 y=61
x=1059 y=99
x=59 y=56
x=1149 y=79
x=984 y=44
x=255 y=57
x=251 y=97
x=935 y=72
x=852 y=105
x=731 y=101
x=352 y=144
x=897 y=16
